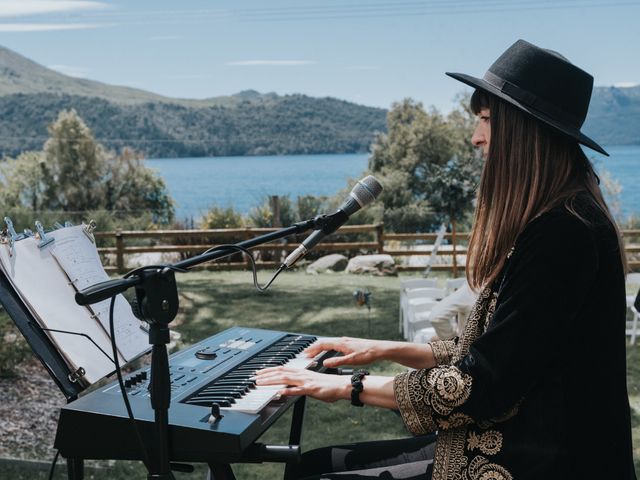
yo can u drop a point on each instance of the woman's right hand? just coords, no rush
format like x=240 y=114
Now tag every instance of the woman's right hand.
x=361 y=351
x=356 y=351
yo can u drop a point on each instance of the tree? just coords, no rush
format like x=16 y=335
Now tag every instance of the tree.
x=132 y=187
x=74 y=173
x=75 y=166
x=427 y=165
x=24 y=181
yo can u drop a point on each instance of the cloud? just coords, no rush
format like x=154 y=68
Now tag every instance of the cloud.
x=270 y=63
x=47 y=27
x=626 y=84
x=80 y=72
x=21 y=8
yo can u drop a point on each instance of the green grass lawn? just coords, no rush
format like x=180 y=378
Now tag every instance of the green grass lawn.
x=321 y=305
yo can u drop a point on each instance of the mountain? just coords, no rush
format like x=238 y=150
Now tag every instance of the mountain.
x=248 y=123
x=614 y=116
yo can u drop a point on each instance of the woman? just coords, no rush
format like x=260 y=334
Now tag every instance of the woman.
x=535 y=388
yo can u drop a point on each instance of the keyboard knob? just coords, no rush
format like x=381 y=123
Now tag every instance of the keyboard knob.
x=215 y=413
x=205 y=354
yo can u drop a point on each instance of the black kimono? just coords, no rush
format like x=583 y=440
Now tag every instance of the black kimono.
x=535 y=388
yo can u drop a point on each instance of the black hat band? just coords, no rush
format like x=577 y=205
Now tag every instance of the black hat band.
x=531 y=100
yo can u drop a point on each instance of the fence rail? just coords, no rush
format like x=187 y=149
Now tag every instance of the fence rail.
x=394 y=244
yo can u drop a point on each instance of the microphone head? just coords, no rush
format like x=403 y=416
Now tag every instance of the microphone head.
x=366 y=190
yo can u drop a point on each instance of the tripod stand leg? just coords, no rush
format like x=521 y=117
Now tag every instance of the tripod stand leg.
x=220 y=471
x=75 y=468
x=295 y=434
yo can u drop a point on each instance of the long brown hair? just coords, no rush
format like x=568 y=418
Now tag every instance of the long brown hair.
x=530 y=169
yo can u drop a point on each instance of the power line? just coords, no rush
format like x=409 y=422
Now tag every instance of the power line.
x=341 y=10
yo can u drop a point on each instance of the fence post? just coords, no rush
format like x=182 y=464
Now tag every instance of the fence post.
x=119 y=251
x=380 y=237
x=454 y=242
x=247 y=261
x=275 y=211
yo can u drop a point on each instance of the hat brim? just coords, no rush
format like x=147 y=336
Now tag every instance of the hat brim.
x=566 y=129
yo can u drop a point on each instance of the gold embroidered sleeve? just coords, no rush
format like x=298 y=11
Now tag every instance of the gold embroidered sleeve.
x=443 y=351
x=427 y=399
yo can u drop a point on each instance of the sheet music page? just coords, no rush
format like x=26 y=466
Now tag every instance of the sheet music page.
x=78 y=257
x=38 y=279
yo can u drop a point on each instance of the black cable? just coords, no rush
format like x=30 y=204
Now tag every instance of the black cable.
x=123 y=390
x=53 y=464
x=254 y=267
x=154 y=267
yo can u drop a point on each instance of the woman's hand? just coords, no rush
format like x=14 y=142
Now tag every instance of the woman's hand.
x=321 y=386
x=378 y=391
x=360 y=351
x=356 y=351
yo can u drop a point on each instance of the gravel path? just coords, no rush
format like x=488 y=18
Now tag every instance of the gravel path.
x=29 y=407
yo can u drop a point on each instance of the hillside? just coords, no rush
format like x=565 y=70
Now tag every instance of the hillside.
x=285 y=125
x=248 y=123
x=614 y=116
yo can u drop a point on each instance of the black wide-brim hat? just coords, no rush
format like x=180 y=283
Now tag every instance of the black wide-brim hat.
x=542 y=83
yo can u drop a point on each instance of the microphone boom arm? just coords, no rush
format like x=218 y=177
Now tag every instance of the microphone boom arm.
x=104 y=290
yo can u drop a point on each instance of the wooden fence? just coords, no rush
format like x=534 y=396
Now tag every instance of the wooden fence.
x=394 y=244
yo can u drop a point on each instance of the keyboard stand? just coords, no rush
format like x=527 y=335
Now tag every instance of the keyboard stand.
x=257 y=453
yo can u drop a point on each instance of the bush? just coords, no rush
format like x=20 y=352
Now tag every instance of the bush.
x=218 y=217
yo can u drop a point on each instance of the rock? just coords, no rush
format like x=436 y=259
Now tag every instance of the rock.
x=334 y=262
x=374 y=264
x=137 y=260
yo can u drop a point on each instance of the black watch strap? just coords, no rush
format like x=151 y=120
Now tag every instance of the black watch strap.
x=357 y=387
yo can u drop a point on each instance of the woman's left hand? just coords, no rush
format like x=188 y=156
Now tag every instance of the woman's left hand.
x=321 y=386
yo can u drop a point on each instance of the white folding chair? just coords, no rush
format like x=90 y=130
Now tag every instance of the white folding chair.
x=453 y=284
x=406 y=285
x=415 y=297
x=633 y=282
x=424 y=335
x=632 y=326
x=418 y=317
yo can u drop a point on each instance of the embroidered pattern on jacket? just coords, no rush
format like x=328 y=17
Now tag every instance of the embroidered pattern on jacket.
x=489 y=442
x=455 y=420
x=480 y=314
x=449 y=460
x=443 y=351
x=482 y=469
x=409 y=395
x=447 y=388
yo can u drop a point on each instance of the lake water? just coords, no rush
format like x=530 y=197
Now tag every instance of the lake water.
x=243 y=182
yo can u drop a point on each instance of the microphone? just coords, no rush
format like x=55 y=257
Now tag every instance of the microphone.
x=362 y=194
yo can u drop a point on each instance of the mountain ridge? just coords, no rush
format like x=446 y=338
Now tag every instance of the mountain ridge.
x=246 y=123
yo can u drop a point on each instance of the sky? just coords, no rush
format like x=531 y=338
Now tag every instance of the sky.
x=372 y=52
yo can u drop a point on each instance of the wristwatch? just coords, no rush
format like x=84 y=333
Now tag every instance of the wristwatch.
x=357 y=387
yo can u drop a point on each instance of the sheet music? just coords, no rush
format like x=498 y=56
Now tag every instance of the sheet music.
x=79 y=259
x=44 y=287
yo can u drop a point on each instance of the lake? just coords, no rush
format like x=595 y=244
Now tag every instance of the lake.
x=243 y=182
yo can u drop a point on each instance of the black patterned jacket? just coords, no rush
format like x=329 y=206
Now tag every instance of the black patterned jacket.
x=535 y=388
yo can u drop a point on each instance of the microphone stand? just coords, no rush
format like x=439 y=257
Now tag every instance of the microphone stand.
x=157 y=304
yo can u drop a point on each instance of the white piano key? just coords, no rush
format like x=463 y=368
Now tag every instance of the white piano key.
x=261 y=395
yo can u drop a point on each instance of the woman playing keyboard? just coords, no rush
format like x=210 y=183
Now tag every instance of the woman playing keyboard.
x=535 y=387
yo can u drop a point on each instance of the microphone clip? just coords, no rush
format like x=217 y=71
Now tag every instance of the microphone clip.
x=330 y=223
